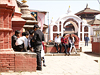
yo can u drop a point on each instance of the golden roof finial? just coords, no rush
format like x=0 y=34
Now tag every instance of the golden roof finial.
x=24 y=1
x=87 y=5
x=69 y=6
x=52 y=17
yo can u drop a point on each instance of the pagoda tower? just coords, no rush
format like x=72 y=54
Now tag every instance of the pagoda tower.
x=26 y=15
x=88 y=14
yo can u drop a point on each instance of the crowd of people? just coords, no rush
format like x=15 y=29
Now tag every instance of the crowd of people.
x=66 y=43
x=33 y=41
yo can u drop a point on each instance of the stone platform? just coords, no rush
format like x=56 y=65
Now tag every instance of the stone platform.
x=52 y=49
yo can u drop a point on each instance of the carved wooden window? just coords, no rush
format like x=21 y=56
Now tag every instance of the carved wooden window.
x=60 y=26
x=8 y=0
x=86 y=29
x=54 y=28
x=54 y=35
x=81 y=29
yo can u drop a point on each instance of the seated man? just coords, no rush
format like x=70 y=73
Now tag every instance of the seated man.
x=22 y=42
x=58 y=43
x=14 y=38
x=64 y=43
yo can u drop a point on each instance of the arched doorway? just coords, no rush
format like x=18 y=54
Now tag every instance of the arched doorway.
x=70 y=28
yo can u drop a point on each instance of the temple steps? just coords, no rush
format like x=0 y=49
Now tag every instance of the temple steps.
x=62 y=54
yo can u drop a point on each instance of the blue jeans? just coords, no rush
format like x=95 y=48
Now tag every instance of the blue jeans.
x=86 y=43
x=38 y=52
x=60 y=45
x=66 y=47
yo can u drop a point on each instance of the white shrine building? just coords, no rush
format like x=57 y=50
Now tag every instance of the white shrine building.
x=69 y=24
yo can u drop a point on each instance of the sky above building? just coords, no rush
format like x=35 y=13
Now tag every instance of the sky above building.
x=56 y=8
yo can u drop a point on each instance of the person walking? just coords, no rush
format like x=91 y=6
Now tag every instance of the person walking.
x=86 y=39
x=38 y=38
x=58 y=43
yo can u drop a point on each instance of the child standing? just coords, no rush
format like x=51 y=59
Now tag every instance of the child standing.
x=42 y=54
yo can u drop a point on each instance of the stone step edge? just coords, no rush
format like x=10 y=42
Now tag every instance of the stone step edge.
x=61 y=54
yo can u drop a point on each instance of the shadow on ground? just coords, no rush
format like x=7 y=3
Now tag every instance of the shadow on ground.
x=92 y=54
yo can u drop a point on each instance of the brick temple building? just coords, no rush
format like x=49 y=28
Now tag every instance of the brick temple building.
x=10 y=20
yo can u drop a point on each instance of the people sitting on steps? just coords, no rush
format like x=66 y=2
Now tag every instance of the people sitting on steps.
x=22 y=42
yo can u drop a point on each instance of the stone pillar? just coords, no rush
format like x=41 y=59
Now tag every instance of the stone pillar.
x=5 y=27
x=82 y=33
x=79 y=30
x=51 y=32
x=62 y=28
x=58 y=27
x=89 y=33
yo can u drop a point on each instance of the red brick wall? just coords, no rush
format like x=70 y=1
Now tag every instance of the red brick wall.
x=52 y=49
x=96 y=47
x=25 y=62
x=17 y=26
x=17 y=62
x=6 y=62
x=5 y=26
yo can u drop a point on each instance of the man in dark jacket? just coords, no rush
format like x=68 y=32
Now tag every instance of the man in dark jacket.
x=14 y=38
x=86 y=40
x=38 y=38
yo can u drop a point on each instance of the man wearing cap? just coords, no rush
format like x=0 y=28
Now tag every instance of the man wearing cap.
x=14 y=38
x=58 y=43
x=38 y=38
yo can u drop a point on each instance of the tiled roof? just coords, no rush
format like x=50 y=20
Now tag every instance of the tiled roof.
x=88 y=10
x=95 y=21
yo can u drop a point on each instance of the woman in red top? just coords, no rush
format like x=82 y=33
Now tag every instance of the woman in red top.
x=64 y=43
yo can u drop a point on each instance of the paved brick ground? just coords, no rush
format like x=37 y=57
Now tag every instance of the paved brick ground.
x=68 y=65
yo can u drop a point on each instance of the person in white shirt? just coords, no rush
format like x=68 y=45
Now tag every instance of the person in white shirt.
x=22 y=42
x=71 y=43
x=58 y=43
